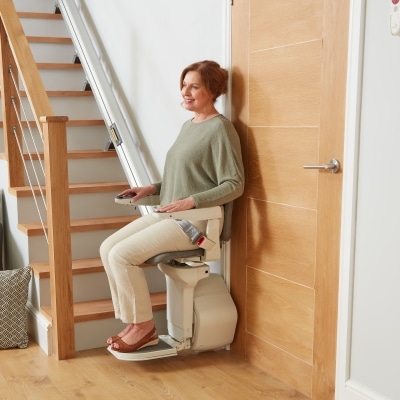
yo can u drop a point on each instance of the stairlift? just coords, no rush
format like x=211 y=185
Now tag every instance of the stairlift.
x=201 y=314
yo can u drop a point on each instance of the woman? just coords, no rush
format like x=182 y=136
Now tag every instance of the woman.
x=203 y=168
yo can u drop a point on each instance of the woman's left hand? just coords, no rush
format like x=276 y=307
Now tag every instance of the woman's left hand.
x=178 y=205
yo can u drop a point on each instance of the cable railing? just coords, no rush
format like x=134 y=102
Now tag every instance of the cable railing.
x=38 y=174
x=46 y=173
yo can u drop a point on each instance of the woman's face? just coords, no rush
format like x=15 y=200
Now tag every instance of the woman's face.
x=195 y=96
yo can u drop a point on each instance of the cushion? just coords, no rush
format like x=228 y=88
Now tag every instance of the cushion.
x=13 y=314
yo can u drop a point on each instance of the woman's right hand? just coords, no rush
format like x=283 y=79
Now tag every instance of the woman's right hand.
x=138 y=192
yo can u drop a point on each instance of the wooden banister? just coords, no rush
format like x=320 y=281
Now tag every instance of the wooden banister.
x=17 y=61
x=58 y=222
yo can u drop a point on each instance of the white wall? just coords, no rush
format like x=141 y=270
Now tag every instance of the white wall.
x=148 y=43
x=369 y=346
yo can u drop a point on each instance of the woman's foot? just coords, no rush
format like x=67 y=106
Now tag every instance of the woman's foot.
x=120 y=335
x=139 y=336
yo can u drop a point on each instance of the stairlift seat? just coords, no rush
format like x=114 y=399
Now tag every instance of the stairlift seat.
x=171 y=258
x=188 y=312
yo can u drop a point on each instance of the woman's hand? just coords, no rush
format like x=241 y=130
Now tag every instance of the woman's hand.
x=138 y=192
x=178 y=205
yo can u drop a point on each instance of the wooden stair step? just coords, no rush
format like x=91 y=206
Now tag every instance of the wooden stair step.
x=81 y=225
x=49 y=39
x=103 y=309
x=72 y=122
x=77 y=154
x=39 y=15
x=58 y=66
x=41 y=270
x=74 y=188
x=72 y=155
x=64 y=93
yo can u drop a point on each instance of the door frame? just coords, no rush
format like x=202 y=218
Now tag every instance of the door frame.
x=345 y=388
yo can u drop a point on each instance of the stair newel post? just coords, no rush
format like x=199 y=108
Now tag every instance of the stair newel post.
x=58 y=220
x=12 y=132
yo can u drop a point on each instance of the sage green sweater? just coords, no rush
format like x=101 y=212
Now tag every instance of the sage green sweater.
x=205 y=162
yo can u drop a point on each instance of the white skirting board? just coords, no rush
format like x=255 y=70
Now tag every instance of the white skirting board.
x=39 y=329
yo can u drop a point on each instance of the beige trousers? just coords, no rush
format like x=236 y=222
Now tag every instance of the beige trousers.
x=124 y=251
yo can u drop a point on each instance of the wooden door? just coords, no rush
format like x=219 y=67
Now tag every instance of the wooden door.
x=289 y=77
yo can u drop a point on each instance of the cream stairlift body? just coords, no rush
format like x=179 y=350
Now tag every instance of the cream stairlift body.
x=201 y=314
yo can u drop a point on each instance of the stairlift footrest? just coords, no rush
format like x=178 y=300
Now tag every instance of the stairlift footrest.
x=167 y=347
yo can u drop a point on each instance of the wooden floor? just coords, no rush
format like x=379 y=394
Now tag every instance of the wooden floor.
x=96 y=374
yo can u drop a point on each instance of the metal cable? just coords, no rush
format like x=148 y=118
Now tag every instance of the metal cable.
x=30 y=155
x=30 y=183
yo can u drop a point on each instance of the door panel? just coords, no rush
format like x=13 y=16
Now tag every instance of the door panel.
x=274 y=170
x=281 y=241
x=285 y=85
x=276 y=305
x=280 y=23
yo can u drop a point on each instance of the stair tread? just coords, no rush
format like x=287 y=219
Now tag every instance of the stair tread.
x=38 y=15
x=102 y=309
x=59 y=66
x=74 y=188
x=72 y=154
x=78 y=154
x=64 y=93
x=49 y=39
x=72 y=122
x=88 y=265
x=81 y=225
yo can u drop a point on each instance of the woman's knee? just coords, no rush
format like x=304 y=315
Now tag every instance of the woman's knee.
x=105 y=248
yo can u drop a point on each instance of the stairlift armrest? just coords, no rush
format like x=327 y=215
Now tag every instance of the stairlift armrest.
x=197 y=214
x=153 y=200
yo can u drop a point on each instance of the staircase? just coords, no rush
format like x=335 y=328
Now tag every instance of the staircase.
x=95 y=176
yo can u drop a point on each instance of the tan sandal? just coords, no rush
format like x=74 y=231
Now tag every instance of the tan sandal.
x=151 y=339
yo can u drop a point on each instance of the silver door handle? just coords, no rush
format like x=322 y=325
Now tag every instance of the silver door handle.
x=333 y=166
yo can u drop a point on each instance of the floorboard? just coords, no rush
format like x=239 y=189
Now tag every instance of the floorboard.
x=96 y=374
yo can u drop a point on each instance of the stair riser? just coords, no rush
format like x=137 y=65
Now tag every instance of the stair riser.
x=87 y=287
x=78 y=138
x=93 y=334
x=34 y=6
x=84 y=170
x=72 y=107
x=58 y=79
x=84 y=245
x=44 y=27
x=81 y=207
x=52 y=52
x=87 y=137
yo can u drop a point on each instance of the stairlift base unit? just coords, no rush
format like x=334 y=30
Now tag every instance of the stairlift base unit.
x=215 y=315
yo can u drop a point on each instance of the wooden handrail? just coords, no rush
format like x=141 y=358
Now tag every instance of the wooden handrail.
x=16 y=60
x=24 y=61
